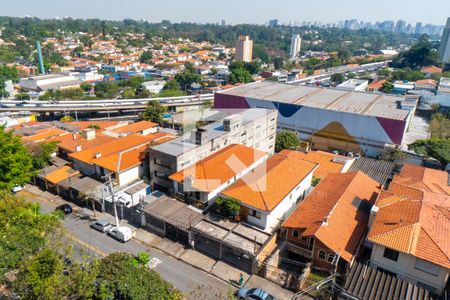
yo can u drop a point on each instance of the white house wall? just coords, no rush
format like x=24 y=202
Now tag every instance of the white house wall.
x=405 y=269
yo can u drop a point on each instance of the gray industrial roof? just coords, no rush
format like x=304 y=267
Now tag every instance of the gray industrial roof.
x=371 y=104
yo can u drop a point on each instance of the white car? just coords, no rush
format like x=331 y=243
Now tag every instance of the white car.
x=16 y=189
x=101 y=225
x=121 y=233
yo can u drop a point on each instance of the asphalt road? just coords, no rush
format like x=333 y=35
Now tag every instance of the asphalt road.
x=88 y=241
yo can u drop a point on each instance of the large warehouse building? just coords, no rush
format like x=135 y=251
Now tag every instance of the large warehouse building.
x=329 y=119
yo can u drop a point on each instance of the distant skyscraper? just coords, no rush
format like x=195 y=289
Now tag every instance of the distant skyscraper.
x=244 y=48
x=273 y=23
x=224 y=23
x=296 y=43
x=444 y=49
x=418 y=28
x=400 y=26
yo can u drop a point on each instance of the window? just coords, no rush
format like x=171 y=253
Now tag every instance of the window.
x=427 y=267
x=330 y=258
x=304 y=238
x=295 y=233
x=255 y=214
x=160 y=175
x=322 y=254
x=161 y=163
x=390 y=254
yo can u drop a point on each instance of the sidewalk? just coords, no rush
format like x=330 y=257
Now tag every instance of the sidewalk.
x=214 y=267
x=219 y=269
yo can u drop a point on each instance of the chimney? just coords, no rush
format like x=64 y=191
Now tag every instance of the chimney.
x=373 y=212
x=98 y=155
x=78 y=148
x=89 y=134
x=74 y=136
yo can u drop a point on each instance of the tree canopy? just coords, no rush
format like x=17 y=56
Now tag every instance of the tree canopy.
x=419 y=55
x=437 y=148
x=154 y=112
x=16 y=163
x=286 y=140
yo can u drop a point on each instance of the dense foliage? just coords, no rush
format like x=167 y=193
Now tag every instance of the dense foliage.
x=16 y=163
x=437 y=148
x=154 y=112
x=286 y=140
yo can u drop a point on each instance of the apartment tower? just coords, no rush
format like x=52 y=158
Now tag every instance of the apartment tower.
x=296 y=43
x=244 y=48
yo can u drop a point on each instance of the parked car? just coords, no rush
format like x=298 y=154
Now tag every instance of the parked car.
x=16 y=189
x=65 y=208
x=254 y=294
x=101 y=225
x=121 y=233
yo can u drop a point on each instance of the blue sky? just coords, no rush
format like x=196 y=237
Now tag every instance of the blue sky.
x=234 y=11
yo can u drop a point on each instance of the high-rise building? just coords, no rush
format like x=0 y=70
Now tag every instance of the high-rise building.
x=296 y=42
x=400 y=26
x=224 y=23
x=244 y=48
x=444 y=49
x=273 y=23
x=418 y=28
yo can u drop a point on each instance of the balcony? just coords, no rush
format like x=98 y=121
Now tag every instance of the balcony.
x=299 y=250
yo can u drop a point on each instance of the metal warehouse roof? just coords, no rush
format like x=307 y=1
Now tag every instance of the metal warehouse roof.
x=370 y=104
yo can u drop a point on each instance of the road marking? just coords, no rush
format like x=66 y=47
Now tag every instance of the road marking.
x=88 y=246
x=153 y=263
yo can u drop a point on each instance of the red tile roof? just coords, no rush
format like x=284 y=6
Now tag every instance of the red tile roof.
x=337 y=211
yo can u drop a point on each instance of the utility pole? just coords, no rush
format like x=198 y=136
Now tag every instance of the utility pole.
x=109 y=186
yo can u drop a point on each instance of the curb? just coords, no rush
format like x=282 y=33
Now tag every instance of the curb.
x=194 y=266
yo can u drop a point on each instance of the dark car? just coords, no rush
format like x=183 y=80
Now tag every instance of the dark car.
x=65 y=208
x=254 y=294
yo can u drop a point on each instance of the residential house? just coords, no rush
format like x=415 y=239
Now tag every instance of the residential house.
x=141 y=127
x=267 y=194
x=410 y=228
x=200 y=183
x=327 y=162
x=430 y=70
x=124 y=158
x=328 y=227
x=426 y=85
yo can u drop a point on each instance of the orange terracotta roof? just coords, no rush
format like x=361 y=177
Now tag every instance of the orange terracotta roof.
x=427 y=81
x=431 y=69
x=417 y=227
x=266 y=186
x=70 y=145
x=424 y=179
x=135 y=127
x=376 y=85
x=324 y=159
x=337 y=211
x=216 y=169
x=44 y=135
x=102 y=124
x=61 y=174
x=123 y=153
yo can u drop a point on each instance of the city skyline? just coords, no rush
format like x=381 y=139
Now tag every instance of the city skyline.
x=202 y=11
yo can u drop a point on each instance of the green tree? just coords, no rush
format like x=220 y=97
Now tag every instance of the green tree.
x=171 y=93
x=23 y=96
x=172 y=85
x=384 y=73
x=387 y=87
x=286 y=140
x=128 y=93
x=16 y=164
x=439 y=125
x=146 y=57
x=437 y=148
x=24 y=231
x=186 y=78
x=40 y=277
x=344 y=55
x=41 y=154
x=240 y=75
x=229 y=207
x=106 y=90
x=407 y=74
x=154 y=112
x=86 y=86
x=74 y=93
x=419 y=55
x=337 y=78
x=125 y=279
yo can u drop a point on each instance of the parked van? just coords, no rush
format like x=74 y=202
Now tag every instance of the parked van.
x=121 y=233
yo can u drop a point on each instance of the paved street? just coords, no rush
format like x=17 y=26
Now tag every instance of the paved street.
x=174 y=263
x=94 y=243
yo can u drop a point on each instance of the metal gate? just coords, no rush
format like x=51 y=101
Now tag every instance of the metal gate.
x=206 y=245
x=176 y=234
x=237 y=258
